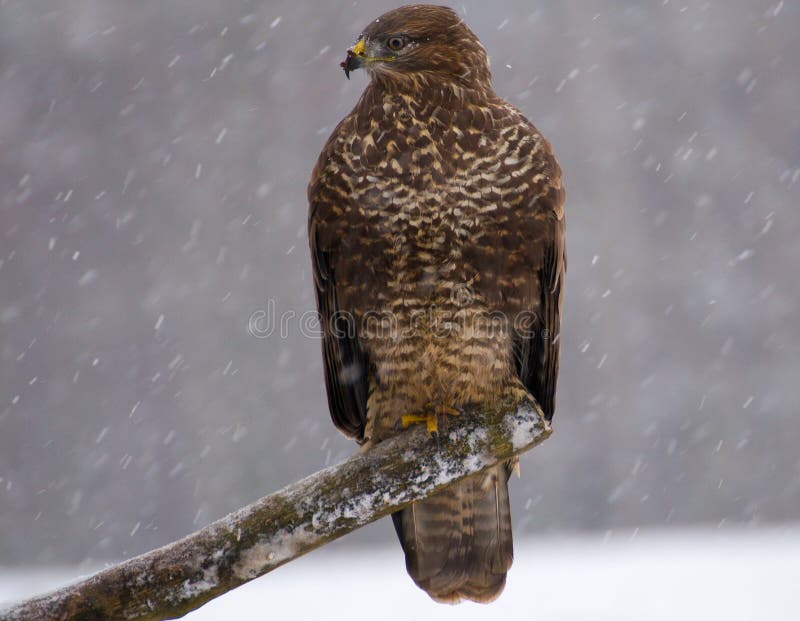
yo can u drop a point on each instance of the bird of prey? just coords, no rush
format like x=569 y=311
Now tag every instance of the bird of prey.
x=436 y=228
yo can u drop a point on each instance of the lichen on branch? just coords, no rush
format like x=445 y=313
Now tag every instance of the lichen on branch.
x=180 y=577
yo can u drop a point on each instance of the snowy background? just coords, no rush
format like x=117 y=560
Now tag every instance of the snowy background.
x=153 y=163
x=657 y=576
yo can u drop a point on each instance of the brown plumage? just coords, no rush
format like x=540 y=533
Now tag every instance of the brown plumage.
x=437 y=235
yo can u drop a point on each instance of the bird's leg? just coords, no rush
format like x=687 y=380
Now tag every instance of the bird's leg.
x=431 y=420
x=413 y=419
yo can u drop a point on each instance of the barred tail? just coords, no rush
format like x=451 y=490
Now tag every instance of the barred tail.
x=458 y=542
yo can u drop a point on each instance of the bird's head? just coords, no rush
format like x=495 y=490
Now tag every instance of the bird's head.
x=420 y=40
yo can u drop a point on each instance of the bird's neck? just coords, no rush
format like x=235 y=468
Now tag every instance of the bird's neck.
x=426 y=90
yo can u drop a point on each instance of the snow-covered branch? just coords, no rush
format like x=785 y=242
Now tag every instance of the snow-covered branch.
x=173 y=580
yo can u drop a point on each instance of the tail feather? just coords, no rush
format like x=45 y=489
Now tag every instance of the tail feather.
x=458 y=542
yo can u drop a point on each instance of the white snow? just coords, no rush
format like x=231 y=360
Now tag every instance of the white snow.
x=88 y=278
x=209 y=581
x=524 y=431
x=274 y=551
x=731 y=575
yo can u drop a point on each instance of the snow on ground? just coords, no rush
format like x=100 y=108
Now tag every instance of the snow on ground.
x=657 y=576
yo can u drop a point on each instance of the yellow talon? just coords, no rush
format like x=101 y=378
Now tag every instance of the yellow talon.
x=412 y=419
x=430 y=420
x=433 y=424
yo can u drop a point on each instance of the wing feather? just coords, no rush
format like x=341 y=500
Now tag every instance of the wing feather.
x=345 y=362
x=537 y=354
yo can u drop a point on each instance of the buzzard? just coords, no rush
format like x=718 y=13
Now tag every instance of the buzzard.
x=436 y=228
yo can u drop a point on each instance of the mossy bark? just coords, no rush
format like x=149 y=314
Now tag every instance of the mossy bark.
x=173 y=580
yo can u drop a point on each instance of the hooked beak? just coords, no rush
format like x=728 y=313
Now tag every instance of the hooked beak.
x=356 y=57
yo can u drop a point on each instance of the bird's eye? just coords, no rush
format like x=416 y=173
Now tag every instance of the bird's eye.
x=396 y=43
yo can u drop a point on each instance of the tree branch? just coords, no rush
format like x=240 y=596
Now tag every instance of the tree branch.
x=173 y=580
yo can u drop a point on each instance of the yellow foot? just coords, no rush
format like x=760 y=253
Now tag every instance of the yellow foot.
x=428 y=419
x=431 y=420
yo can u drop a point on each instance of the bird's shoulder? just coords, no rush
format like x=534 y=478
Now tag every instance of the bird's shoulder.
x=522 y=160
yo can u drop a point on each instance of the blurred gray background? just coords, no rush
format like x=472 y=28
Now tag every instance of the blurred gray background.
x=153 y=163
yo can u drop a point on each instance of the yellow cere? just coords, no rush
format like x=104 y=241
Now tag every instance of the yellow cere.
x=360 y=48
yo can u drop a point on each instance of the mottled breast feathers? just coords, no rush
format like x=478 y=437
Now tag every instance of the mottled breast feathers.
x=482 y=182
